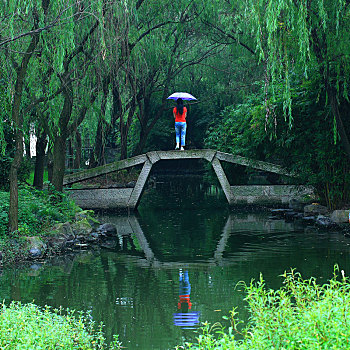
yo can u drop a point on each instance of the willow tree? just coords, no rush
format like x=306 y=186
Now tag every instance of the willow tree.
x=307 y=38
x=24 y=45
x=18 y=55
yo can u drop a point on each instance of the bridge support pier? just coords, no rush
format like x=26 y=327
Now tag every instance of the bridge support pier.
x=140 y=184
x=219 y=171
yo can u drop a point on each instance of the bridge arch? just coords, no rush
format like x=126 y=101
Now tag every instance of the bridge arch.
x=130 y=197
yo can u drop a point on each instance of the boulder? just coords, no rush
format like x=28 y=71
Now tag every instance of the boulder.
x=64 y=229
x=110 y=244
x=340 y=216
x=296 y=205
x=91 y=238
x=57 y=243
x=81 y=227
x=315 y=209
x=324 y=221
x=281 y=212
x=108 y=229
x=290 y=215
x=88 y=215
x=309 y=219
x=36 y=247
x=94 y=235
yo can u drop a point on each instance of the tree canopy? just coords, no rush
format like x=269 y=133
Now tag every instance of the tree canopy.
x=84 y=77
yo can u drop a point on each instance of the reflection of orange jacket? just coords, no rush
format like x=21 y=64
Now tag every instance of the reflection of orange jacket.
x=184 y=299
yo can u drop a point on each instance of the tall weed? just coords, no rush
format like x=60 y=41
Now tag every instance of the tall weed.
x=27 y=326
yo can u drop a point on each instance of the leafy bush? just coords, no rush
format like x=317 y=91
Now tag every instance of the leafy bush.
x=300 y=315
x=37 y=210
x=28 y=326
x=5 y=165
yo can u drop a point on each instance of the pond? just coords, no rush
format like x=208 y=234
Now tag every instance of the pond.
x=179 y=262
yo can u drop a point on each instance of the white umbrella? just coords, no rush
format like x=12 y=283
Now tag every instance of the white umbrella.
x=183 y=95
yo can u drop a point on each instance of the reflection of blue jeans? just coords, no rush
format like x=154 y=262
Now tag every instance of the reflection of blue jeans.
x=180 y=129
x=184 y=285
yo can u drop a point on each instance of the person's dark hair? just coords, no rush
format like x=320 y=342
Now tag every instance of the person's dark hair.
x=180 y=106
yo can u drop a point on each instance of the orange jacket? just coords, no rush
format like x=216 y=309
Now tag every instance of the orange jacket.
x=180 y=117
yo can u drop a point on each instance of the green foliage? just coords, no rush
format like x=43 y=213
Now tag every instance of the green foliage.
x=38 y=210
x=307 y=148
x=299 y=315
x=297 y=36
x=4 y=112
x=5 y=165
x=240 y=130
x=27 y=326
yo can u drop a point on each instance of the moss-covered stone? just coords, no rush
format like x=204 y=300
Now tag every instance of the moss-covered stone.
x=64 y=229
x=35 y=246
x=81 y=227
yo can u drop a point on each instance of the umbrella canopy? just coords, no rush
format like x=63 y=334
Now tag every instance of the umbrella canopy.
x=183 y=95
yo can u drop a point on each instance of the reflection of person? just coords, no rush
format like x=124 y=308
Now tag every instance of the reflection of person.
x=180 y=114
x=184 y=292
x=184 y=318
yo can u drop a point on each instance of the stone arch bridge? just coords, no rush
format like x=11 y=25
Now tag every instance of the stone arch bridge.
x=130 y=197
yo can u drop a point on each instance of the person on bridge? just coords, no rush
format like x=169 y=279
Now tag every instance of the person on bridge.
x=180 y=114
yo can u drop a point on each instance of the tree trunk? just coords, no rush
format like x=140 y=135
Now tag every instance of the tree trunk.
x=39 y=160
x=70 y=154
x=17 y=119
x=78 y=143
x=99 y=152
x=123 y=140
x=124 y=131
x=49 y=165
x=27 y=150
x=59 y=156
x=59 y=149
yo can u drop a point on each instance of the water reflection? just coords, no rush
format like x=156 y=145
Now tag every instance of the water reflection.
x=185 y=319
x=161 y=259
x=239 y=235
x=129 y=227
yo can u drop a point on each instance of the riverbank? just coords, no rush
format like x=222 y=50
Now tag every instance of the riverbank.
x=315 y=214
x=49 y=224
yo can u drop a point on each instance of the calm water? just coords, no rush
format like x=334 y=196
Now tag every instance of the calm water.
x=183 y=241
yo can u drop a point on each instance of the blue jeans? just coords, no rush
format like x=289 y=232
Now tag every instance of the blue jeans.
x=180 y=130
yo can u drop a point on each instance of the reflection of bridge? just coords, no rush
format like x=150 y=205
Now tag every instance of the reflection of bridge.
x=129 y=225
x=130 y=197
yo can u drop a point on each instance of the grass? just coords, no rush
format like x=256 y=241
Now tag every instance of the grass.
x=27 y=326
x=37 y=210
x=299 y=315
